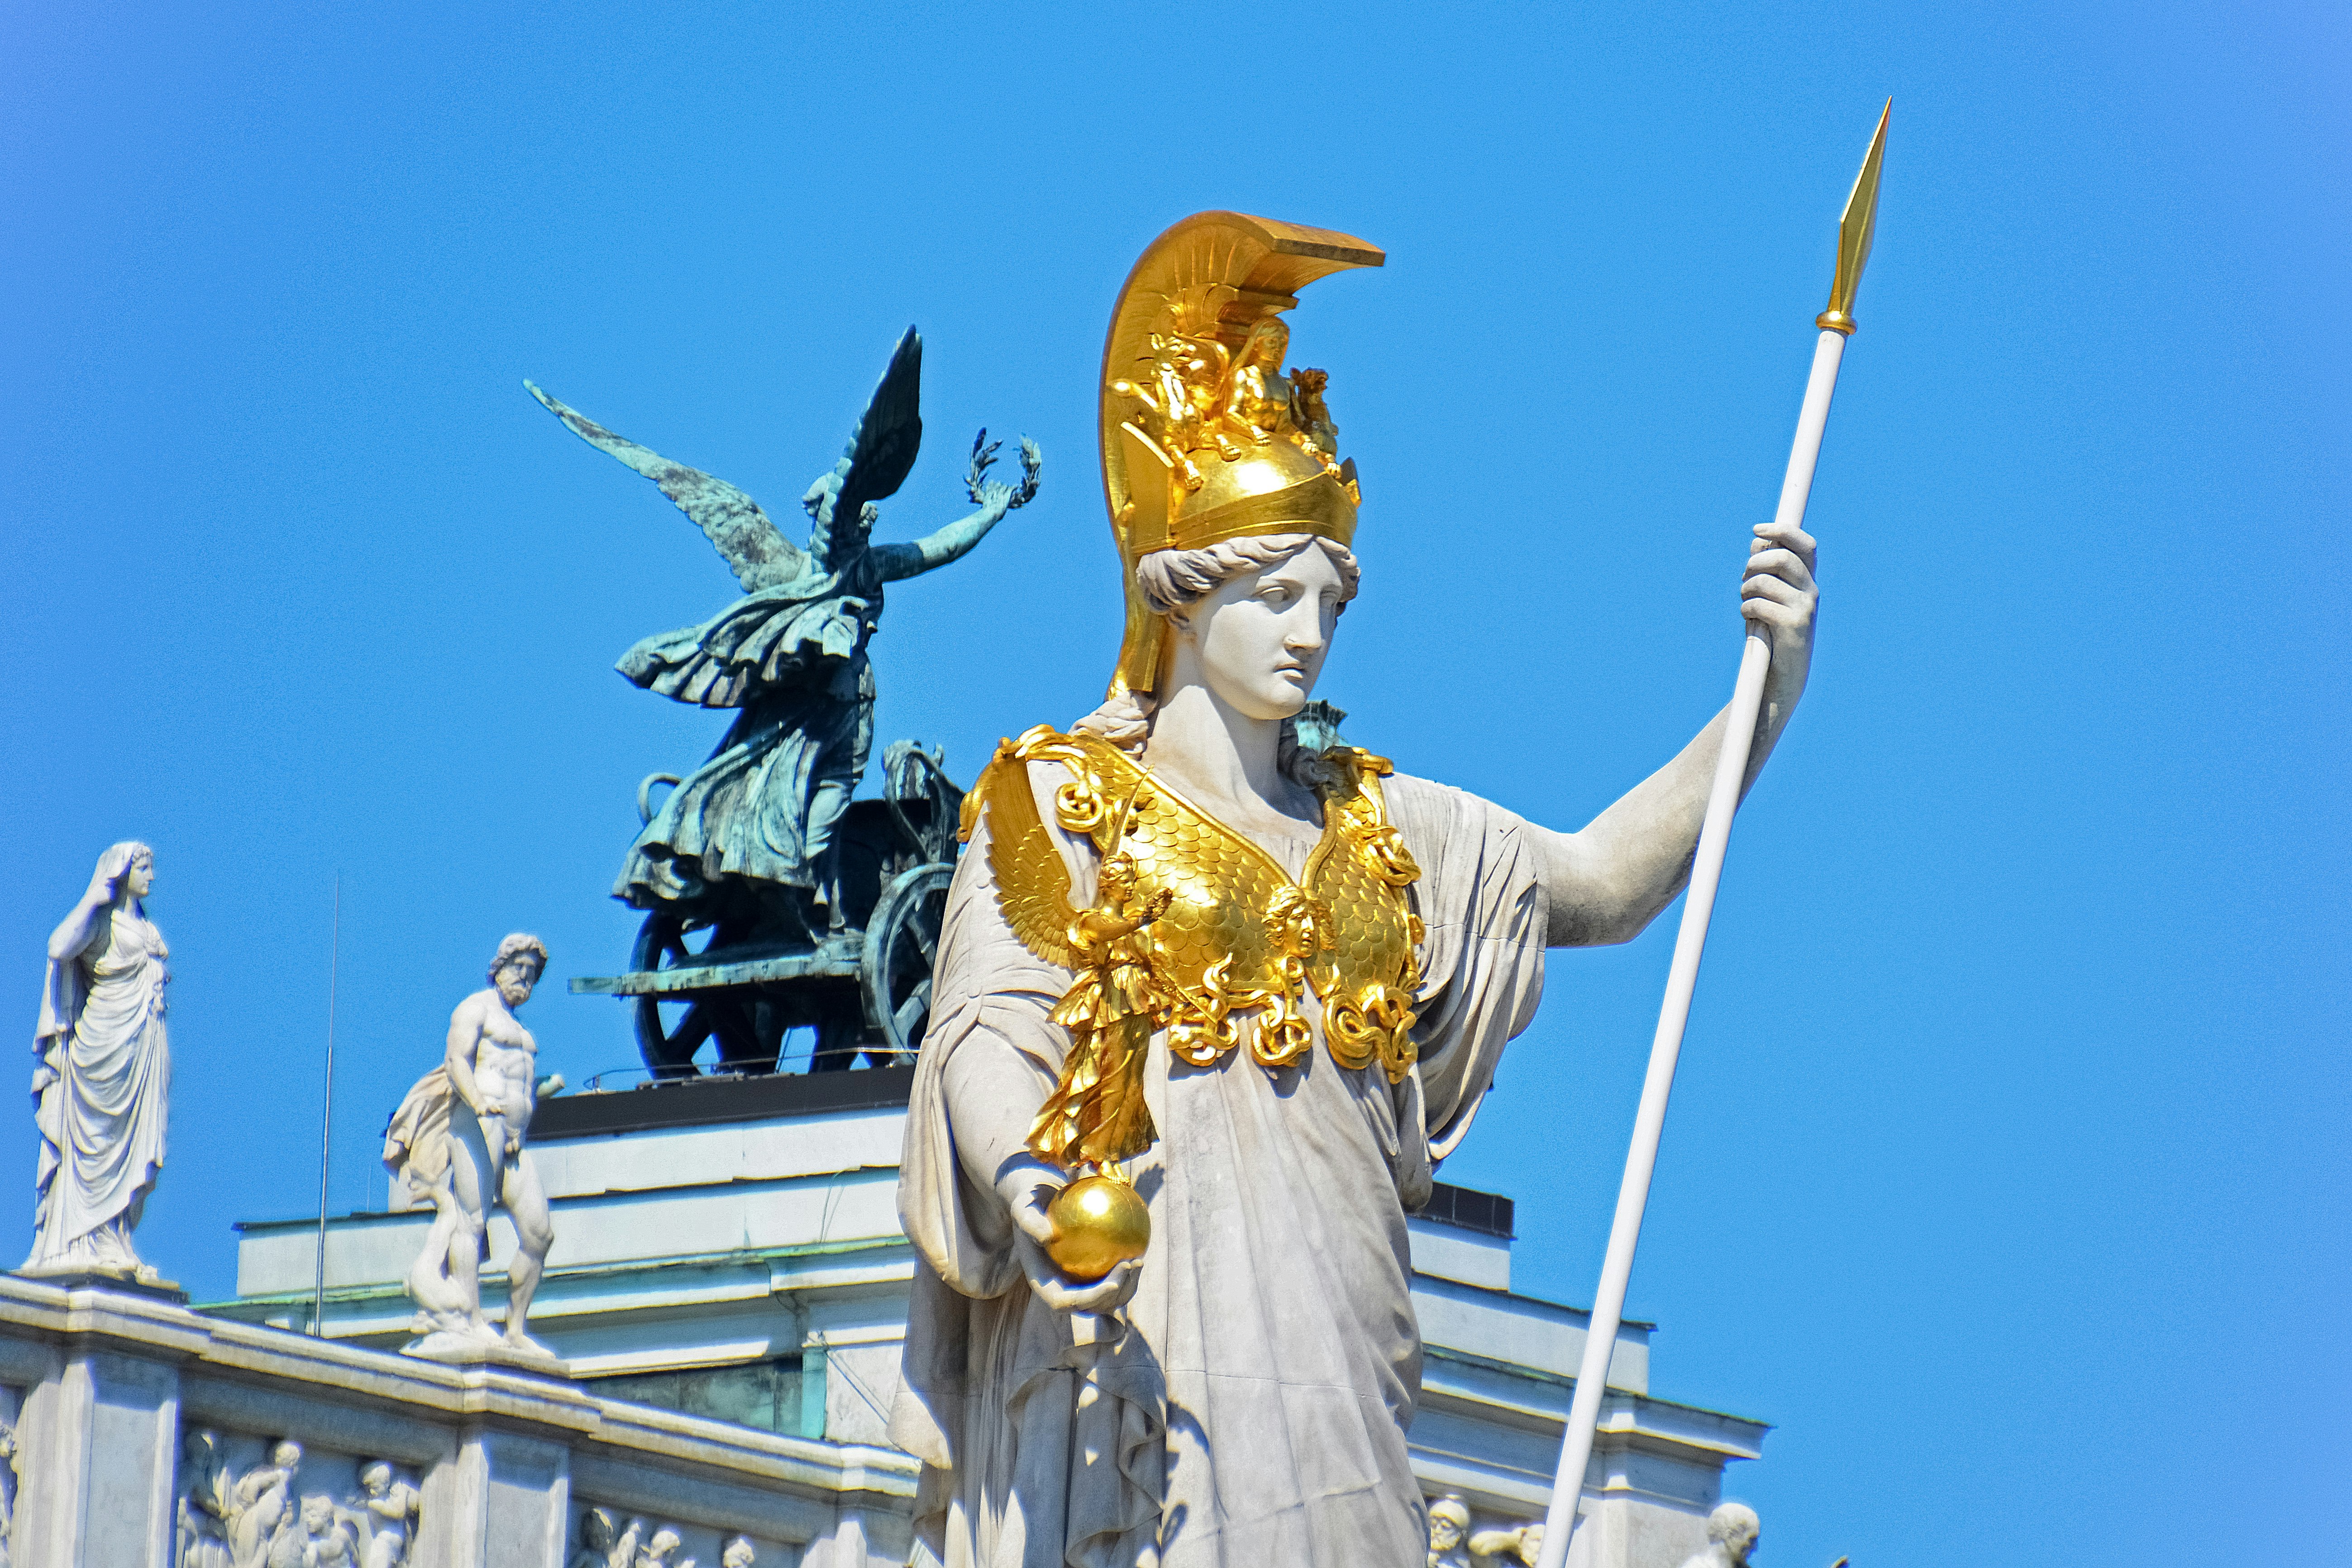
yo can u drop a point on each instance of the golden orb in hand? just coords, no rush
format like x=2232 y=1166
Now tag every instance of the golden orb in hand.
x=1099 y=1223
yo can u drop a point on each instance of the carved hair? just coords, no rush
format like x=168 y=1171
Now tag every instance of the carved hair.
x=1452 y=1509
x=1175 y=580
x=120 y=858
x=515 y=945
x=1734 y=1521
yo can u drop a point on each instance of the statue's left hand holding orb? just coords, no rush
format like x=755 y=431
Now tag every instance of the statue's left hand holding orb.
x=1028 y=1188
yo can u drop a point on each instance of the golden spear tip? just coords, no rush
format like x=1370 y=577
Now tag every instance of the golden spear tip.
x=1854 y=228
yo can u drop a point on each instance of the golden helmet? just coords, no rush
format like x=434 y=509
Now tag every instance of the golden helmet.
x=1205 y=436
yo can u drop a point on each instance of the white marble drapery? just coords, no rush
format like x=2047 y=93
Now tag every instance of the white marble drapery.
x=103 y=1075
x=1250 y=1408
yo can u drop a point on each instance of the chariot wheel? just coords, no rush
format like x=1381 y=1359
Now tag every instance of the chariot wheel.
x=902 y=940
x=669 y=1051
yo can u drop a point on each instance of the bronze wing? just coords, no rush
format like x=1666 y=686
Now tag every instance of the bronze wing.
x=1033 y=885
x=760 y=555
x=881 y=451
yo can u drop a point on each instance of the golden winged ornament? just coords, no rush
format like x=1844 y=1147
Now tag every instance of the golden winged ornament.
x=1197 y=930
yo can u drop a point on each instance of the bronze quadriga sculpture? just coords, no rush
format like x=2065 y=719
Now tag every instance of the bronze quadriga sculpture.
x=774 y=899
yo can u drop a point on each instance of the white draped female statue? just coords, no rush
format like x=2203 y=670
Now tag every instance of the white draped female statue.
x=102 y=1073
x=1261 y=976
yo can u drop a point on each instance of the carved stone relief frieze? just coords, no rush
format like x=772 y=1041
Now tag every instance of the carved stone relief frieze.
x=1454 y=1543
x=1449 y=1526
x=11 y=1474
x=611 y=1538
x=1518 y=1544
x=245 y=1502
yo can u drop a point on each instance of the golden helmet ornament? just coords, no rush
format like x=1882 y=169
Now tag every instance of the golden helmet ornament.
x=1205 y=437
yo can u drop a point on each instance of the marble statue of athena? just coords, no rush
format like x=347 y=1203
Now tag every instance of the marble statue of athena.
x=1254 y=980
x=101 y=1073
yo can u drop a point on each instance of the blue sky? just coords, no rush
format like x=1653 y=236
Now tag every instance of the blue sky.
x=2008 y=1169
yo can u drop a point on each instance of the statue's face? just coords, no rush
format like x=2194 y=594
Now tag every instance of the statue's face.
x=1444 y=1534
x=287 y=1456
x=377 y=1479
x=1743 y=1542
x=318 y=1513
x=139 y=876
x=1118 y=875
x=1268 y=341
x=739 y=1555
x=1261 y=638
x=516 y=976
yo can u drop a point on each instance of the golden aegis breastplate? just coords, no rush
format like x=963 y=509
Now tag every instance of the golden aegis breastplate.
x=1236 y=938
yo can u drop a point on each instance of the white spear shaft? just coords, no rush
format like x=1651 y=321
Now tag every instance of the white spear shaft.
x=1706 y=871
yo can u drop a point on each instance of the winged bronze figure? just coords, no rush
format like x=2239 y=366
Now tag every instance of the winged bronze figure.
x=791 y=656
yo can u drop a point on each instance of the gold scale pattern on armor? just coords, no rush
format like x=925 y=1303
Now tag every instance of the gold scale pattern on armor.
x=1239 y=937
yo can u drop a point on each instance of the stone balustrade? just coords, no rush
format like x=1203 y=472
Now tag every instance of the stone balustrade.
x=105 y=1388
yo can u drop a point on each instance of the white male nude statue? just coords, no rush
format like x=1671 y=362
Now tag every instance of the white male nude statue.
x=457 y=1141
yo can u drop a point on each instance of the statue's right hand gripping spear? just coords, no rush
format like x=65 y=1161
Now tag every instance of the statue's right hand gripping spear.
x=1715 y=835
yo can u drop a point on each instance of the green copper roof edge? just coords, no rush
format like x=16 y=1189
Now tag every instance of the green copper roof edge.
x=310 y=1222
x=1561 y=1380
x=742 y=1259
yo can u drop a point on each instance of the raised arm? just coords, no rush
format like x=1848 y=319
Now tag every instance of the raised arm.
x=1608 y=882
x=899 y=561
x=936 y=550
x=79 y=929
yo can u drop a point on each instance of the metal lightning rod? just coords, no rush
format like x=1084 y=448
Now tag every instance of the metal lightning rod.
x=327 y=1113
x=1715 y=835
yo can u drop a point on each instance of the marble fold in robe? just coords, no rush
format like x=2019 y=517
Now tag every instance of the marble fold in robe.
x=750 y=810
x=416 y=1140
x=1249 y=1405
x=792 y=658
x=100 y=1091
x=764 y=640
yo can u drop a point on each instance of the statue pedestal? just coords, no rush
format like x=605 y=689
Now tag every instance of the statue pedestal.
x=158 y=1289
x=468 y=1350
